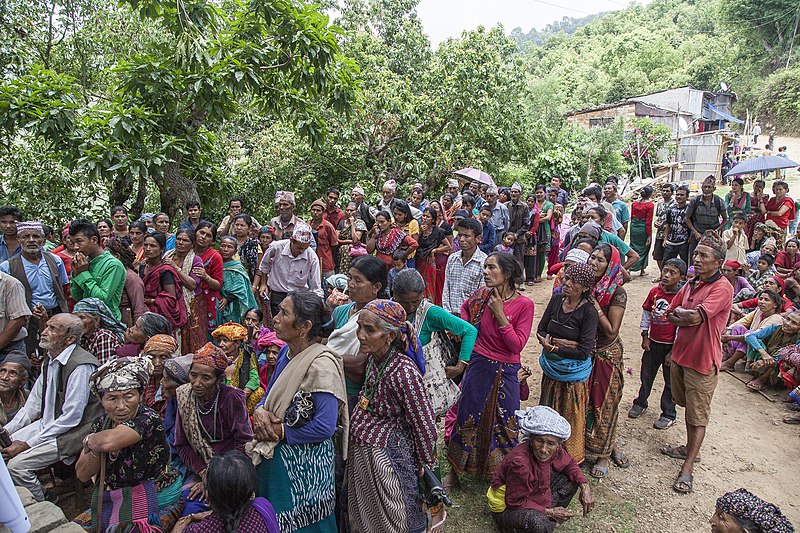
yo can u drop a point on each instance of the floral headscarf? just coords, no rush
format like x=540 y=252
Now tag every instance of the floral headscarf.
x=604 y=289
x=121 y=374
x=742 y=503
x=161 y=343
x=97 y=307
x=212 y=356
x=393 y=313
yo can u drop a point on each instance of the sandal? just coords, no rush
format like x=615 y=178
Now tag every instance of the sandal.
x=755 y=386
x=598 y=472
x=792 y=419
x=683 y=483
x=620 y=459
x=438 y=527
x=677 y=452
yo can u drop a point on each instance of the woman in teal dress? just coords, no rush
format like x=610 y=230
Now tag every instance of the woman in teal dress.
x=737 y=201
x=236 y=294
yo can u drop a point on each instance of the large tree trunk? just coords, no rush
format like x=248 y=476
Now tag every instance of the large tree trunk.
x=121 y=190
x=141 y=195
x=175 y=189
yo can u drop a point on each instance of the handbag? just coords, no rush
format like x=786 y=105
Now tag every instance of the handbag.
x=439 y=353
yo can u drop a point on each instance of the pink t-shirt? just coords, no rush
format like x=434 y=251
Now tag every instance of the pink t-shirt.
x=506 y=343
x=699 y=347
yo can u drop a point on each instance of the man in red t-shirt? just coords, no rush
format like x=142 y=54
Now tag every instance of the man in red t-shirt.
x=700 y=310
x=658 y=335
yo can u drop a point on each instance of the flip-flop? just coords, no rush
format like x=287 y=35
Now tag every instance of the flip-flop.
x=791 y=419
x=677 y=452
x=683 y=483
x=620 y=459
x=598 y=472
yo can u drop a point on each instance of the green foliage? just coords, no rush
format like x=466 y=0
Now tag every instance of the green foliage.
x=778 y=101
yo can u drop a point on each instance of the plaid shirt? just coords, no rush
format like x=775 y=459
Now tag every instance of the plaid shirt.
x=102 y=344
x=461 y=280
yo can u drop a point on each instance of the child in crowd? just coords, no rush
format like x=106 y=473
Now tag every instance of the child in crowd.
x=736 y=240
x=399 y=262
x=764 y=270
x=507 y=245
x=658 y=336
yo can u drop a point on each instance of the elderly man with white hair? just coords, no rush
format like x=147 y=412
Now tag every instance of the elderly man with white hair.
x=534 y=484
x=43 y=276
x=58 y=413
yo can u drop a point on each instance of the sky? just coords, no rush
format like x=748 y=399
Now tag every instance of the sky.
x=448 y=18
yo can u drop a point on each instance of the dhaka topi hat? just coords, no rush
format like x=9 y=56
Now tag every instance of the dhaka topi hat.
x=576 y=255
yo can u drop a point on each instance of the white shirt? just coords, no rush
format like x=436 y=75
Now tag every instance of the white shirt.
x=29 y=427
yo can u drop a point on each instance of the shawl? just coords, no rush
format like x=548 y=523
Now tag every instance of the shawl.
x=308 y=371
x=186 y=268
x=97 y=307
x=391 y=241
x=190 y=422
x=476 y=305
x=170 y=306
x=234 y=275
x=604 y=289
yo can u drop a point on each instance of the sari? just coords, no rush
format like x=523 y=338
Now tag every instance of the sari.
x=170 y=306
x=641 y=232
x=245 y=375
x=212 y=262
x=606 y=380
x=194 y=334
x=736 y=206
x=426 y=263
x=237 y=291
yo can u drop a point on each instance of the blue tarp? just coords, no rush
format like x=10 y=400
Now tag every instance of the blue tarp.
x=724 y=115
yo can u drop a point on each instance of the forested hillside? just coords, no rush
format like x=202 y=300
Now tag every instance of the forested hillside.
x=140 y=101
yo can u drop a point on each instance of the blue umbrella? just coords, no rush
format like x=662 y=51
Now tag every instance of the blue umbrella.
x=764 y=163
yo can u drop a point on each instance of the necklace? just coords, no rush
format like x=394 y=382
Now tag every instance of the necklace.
x=213 y=409
x=369 y=391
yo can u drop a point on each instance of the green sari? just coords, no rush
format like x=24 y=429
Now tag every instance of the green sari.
x=237 y=291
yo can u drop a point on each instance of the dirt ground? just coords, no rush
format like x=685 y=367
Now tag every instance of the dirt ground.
x=746 y=444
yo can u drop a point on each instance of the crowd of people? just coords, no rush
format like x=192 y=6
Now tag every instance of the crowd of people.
x=298 y=375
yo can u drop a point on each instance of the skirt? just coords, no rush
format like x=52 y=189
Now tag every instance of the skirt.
x=299 y=483
x=441 y=265
x=194 y=335
x=485 y=430
x=569 y=400
x=602 y=412
x=639 y=243
x=383 y=488
x=427 y=269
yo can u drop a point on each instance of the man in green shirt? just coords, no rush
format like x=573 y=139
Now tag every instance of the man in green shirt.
x=95 y=272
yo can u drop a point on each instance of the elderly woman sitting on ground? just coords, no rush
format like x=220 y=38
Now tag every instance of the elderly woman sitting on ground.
x=741 y=511
x=127 y=452
x=159 y=348
x=534 y=484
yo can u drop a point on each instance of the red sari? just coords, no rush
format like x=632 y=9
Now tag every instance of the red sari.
x=170 y=306
x=212 y=262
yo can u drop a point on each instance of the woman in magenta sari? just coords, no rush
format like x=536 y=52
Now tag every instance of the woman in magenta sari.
x=163 y=291
x=486 y=430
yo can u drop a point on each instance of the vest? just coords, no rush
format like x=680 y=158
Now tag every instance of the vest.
x=17 y=269
x=70 y=443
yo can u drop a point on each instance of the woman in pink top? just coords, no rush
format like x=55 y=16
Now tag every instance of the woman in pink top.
x=485 y=430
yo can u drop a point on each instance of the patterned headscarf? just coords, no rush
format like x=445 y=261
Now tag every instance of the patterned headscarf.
x=177 y=368
x=120 y=248
x=744 y=504
x=121 y=374
x=268 y=338
x=212 y=356
x=393 y=314
x=231 y=331
x=161 y=343
x=269 y=230
x=97 y=307
x=542 y=420
x=576 y=255
x=302 y=233
x=580 y=273
x=604 y=289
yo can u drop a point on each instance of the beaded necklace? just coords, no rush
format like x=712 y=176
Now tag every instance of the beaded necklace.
x=369 y=392
x=201 y=411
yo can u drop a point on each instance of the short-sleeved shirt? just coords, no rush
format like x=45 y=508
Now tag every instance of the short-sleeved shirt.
x=12 y=303
x=678 y=230
x=40 y=280
x=657 y=303
x=289 y=273
x=616 y=242
x=705 y=217
x=621 y=211
x=146 y=460
x=700 y=347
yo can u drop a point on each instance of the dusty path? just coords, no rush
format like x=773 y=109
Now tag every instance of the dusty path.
x=746 y=444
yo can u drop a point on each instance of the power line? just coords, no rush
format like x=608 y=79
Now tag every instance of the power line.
x=794 y=34
x=562 y=7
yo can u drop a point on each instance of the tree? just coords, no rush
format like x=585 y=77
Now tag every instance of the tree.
x=161 y=116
